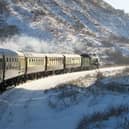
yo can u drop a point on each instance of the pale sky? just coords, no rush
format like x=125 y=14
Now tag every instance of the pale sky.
x=120 y=4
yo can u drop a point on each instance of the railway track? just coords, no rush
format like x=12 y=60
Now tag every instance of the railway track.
x=54 y=80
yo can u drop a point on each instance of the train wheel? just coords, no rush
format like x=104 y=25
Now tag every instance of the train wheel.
x=2 y=87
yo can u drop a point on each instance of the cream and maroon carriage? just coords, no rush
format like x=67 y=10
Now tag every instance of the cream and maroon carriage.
x=12 y=66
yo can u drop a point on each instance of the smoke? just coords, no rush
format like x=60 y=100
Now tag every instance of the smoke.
x=31 y=44
x=24 y=43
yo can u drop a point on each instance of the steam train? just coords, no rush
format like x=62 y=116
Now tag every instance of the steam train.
x=17 y=67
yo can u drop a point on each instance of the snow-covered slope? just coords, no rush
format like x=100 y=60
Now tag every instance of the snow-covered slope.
x=40 y=104
x=70 y=26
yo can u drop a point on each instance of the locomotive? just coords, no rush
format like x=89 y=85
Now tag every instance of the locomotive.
x=17 y=67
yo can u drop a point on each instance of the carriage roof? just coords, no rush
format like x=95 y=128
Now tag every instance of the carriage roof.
x=71 y=55
x=31 y=54
x=9 y=52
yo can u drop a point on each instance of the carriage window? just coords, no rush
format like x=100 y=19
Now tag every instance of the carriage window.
x=31 y=60
x=36 y=61
x=0 y=63
x=7 y=59
x=43 y=60
x=57 y=60
x=1 y=60
x=54 y=60
x=39 y=61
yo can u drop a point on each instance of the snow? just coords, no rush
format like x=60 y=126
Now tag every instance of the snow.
x=31 y=105
x=120 y=26
x=64 y=26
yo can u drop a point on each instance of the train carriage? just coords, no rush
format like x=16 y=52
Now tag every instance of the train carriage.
x=55 y=62
x=94 y=61
x=72 y=61
x=14 y=65
x=89 y=61
x=21 y=63
x=11 y=66
x=85 y=61
x=35 y=63
x=17 y=66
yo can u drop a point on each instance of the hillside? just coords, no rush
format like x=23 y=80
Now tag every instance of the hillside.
x=68 y=26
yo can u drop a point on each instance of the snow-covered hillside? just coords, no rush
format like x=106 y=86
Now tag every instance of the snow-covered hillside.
x=68 y=26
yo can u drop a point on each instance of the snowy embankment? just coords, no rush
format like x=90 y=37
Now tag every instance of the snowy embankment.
x=35 y=105
x=52 y=81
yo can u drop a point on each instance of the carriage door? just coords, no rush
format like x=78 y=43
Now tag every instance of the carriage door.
x=1 y=68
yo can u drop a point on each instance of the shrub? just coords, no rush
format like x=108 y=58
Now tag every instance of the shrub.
x=3 y=6
x=100 y=116
x=99 y=76
x=7 y=31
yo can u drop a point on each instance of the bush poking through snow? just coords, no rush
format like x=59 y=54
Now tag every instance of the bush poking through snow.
x=8 y=31
x=65 y=97
x=3 y=6
x=99 y=76
x=101 y=116
x=125 y=123
x=116 y=87
x=126 y=71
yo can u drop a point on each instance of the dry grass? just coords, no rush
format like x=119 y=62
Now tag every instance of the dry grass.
x=125 y=123
x=66 y=96
x=125 y=71
x=3 y=6
x=101 y=116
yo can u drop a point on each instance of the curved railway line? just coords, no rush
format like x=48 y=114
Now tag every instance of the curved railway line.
x=18 y=67
x=53 y=81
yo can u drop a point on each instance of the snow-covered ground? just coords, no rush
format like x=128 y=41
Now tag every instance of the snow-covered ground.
x=42 y=104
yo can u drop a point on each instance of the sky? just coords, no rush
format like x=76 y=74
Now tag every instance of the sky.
x=120 y=4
